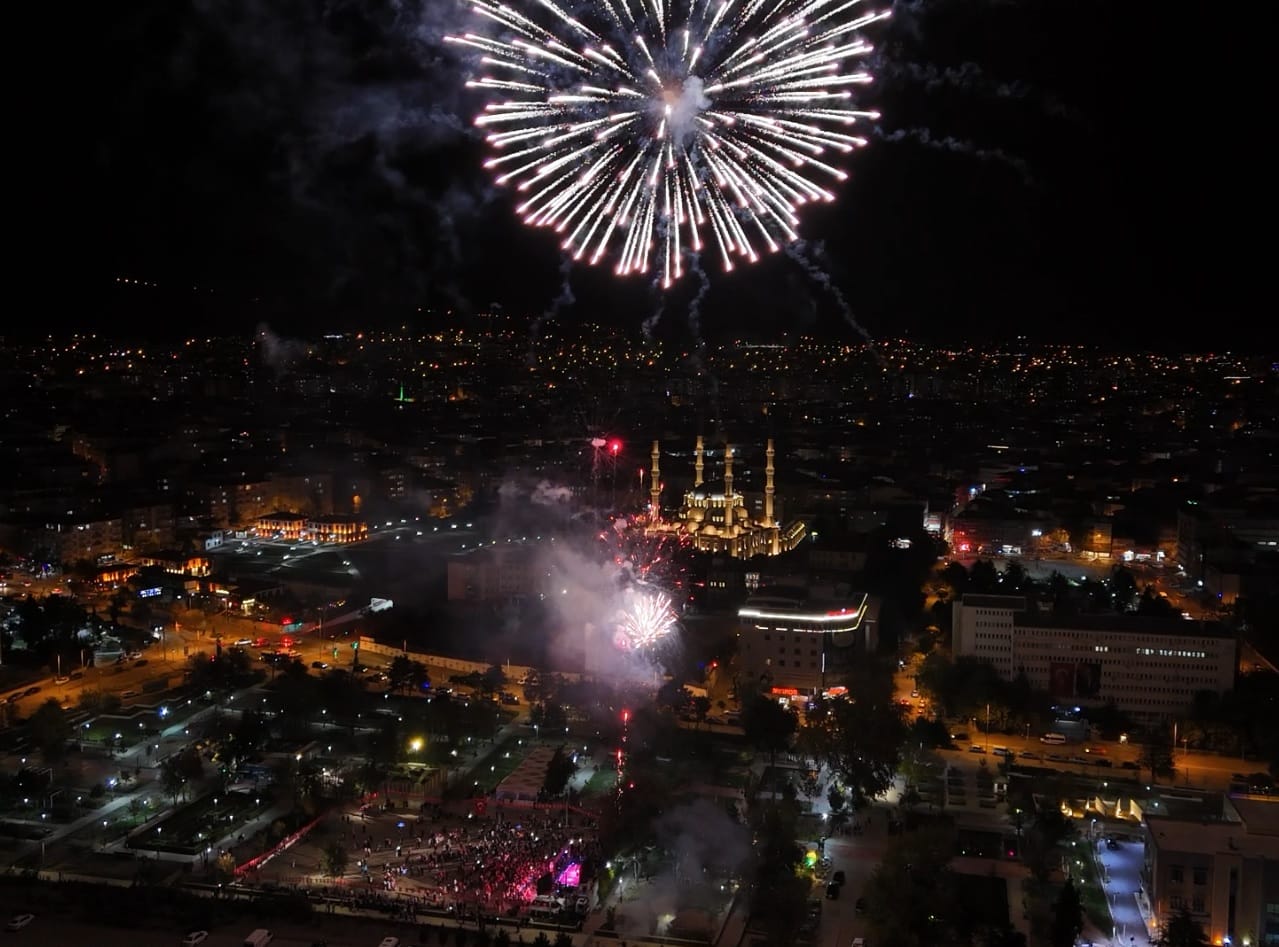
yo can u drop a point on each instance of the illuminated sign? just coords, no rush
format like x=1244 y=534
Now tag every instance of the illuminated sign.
x=149 y=593
x=784 y=692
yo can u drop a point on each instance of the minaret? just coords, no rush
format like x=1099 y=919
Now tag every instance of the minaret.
x=698 y=454
x=728 y=487
x=655 y=486
x=769 y=490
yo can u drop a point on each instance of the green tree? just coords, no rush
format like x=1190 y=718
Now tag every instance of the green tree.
x=911 y=898
x=50 y=730
x=860 y=739
x=1067 y=917
x=492 y=680
x=1182 y=930
x=1040 y=845
x=1156 y=752
x=335 y=859
x=768 y=725
x=559 y=770
x=171 y=778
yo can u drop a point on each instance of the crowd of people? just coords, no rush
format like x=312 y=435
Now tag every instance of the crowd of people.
x=490 y=863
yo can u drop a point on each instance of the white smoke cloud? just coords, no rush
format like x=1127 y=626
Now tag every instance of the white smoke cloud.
x=277 y=352
x=691 y=102
x=548 y=494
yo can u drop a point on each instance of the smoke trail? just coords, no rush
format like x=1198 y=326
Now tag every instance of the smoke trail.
x=565 y=298
x=650 y=324
x=695 y=326
x=923 y=136
x=695 y=306
x=970 y=78
x=796 y=251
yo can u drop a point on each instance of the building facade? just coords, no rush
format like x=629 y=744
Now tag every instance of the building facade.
x=496 y=573
x=1150 y=668
x=795 y=647
x=1224 y=872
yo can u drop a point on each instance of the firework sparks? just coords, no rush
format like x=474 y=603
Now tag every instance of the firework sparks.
x=645 y=128
x=646 y=618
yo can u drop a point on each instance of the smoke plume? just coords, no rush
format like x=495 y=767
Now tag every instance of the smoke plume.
x=924 y=137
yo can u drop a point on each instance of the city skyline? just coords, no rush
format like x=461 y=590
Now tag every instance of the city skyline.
x=311 y=169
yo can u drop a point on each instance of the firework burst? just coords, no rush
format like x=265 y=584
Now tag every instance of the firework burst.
x=647 y=128
x=645 y=619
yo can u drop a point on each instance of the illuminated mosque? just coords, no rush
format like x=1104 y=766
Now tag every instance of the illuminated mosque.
x=715 y=521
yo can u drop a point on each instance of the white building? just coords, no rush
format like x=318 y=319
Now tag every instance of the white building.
x=797 y=647
x=1147 y=667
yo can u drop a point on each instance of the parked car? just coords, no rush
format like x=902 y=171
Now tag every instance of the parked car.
x=19 y=921
x=832 y=891
x=860 y=907
x=839 y=877
x=128 y=694
x=195 y=938
x=319 y=665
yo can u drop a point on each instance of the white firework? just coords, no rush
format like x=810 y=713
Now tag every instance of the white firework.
x=646 y=618
x=647 y=128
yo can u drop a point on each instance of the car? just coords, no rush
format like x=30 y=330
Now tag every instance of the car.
x=914 y=694
x=814 y=908
x=962 y=735
x=858 y=942
x=1030 y=755
x=860 y=907
x=832 y=891
x=128 y=694
x=19 y=921
x=390 y=942
x=1106 y=764
x=976 y=748
x=319 y=665
x=244 y=642
x=141 y=662
x=62 y=680
x=195 y=938
x=31 y=692
x=1128 y=764
x=1112 y=844
x=839 y=877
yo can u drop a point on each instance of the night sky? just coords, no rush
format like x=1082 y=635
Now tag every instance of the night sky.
x=1077 y=170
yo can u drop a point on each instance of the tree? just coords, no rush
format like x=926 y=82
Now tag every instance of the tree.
x=912 y=898
x=492 y=680
x=404 y=673
x=701 y=707
x=563 y=939
x=559 y=770
x=1182 y=930
x=860 y=739
x=1156 y=752
x=171 y=779
x=1068 y=917
x=50 y=730
x=501 y=938
x=335 y=859
x=541 y=940
x=768 y=725
x=1040 y=843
